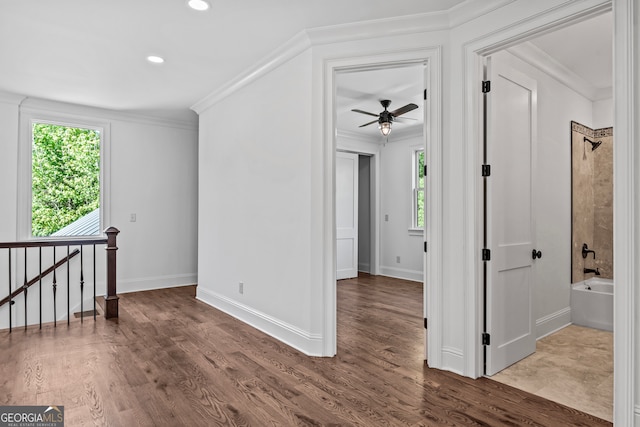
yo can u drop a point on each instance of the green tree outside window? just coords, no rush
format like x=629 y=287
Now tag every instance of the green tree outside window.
x=65 y=176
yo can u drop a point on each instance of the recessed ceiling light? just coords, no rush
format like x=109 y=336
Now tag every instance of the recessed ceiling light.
x=155 y=59
x=199 y=5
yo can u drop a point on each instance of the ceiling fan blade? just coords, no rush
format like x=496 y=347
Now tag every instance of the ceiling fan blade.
x=365 y=112
x=367 y=124
x=403 y=119
x=404 y=109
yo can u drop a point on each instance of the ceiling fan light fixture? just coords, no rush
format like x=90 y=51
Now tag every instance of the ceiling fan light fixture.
x=199 y=5
x=385 y=128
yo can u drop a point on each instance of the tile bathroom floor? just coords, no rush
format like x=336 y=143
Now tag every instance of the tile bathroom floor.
x=573 y=366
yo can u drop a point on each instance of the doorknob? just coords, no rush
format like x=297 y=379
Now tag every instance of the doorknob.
x=536 y=254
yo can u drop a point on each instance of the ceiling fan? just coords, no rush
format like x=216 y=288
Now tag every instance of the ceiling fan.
x=385 y=118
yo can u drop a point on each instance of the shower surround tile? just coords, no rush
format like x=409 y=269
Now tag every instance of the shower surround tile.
x=591 y=201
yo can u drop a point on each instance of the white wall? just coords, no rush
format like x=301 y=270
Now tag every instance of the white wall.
x=364 y=213
x=255 y=205
x=396 y=240
x=630 y=11
x=8 y=165
x=603 y=114
x=558 y=105
x=153 y=174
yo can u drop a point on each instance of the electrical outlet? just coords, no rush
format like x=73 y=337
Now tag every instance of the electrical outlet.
x=386 y=217
x=398 y=259
x=241 y=287
x=132 y=218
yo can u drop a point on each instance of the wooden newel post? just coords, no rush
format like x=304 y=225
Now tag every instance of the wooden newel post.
x=111 y=300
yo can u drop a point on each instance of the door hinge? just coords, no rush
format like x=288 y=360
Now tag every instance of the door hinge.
x=424 y=171
x=486 y=339
x=486 y=170
x=425 y=246
x=425 y=323
x=425 y=94
x=486 y=254
x=486 y=86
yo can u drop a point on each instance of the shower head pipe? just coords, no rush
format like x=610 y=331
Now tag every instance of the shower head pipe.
x=594 y=145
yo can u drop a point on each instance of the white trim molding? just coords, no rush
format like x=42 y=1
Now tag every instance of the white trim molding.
x=401 y=273
x=539 y=59
x=626 y=214
x=158 y=282
x=394 y=26
x=553 y=322
x=452 y=360
x=84 y=112
x=11 y=98
x=306 y=342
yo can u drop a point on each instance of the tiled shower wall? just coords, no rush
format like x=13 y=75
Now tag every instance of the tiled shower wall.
x=591 y=201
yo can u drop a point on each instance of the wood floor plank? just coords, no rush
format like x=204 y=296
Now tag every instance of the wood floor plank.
x=171 y=360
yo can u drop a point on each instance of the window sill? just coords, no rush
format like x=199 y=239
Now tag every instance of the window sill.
x=416 y=232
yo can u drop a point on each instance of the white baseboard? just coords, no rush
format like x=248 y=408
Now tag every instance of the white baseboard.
x=402 y=273
x=553 y=322
x=453 y=360
x=152 y=283
x=306 y=342
x=364 y=267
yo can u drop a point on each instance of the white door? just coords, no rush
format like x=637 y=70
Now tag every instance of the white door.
x=346 y=215
x=511 y=138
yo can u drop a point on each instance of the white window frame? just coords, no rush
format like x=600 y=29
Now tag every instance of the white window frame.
x=27 y=119
x=415 y=189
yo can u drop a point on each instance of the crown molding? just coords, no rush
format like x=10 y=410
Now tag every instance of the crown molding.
x=63 y=108
x=394 y=26
x=11 y=98
x=472 y=9
x=292 y=48
x=385 y=27
x=539 y=59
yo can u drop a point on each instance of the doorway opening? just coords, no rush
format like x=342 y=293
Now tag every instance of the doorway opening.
x=573 y=84
x=373 y=172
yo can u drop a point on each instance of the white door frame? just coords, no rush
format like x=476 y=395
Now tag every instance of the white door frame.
x=433 y=155
x=626 y=237
x=374 y=155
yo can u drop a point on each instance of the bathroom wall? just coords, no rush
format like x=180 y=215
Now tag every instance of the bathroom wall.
x=592 y=201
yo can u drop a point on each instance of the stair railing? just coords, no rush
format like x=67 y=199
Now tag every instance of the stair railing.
x=111 y=297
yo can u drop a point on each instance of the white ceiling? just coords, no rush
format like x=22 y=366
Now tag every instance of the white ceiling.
x=364 y=90
x=93 y=52
x=580 y=55
x=585 y=49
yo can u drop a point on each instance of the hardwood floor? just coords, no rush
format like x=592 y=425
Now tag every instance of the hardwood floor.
x=171 y=360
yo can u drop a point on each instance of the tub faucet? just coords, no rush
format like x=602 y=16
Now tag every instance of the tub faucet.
x=586 y=251
x=591 y=270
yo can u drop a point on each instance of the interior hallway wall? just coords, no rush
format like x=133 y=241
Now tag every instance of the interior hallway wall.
x=255 y=206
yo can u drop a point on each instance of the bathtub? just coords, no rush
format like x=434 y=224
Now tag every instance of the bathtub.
x=592 y=303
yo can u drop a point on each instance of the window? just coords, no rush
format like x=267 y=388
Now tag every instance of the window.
x=62 y=185
x=418 y=189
